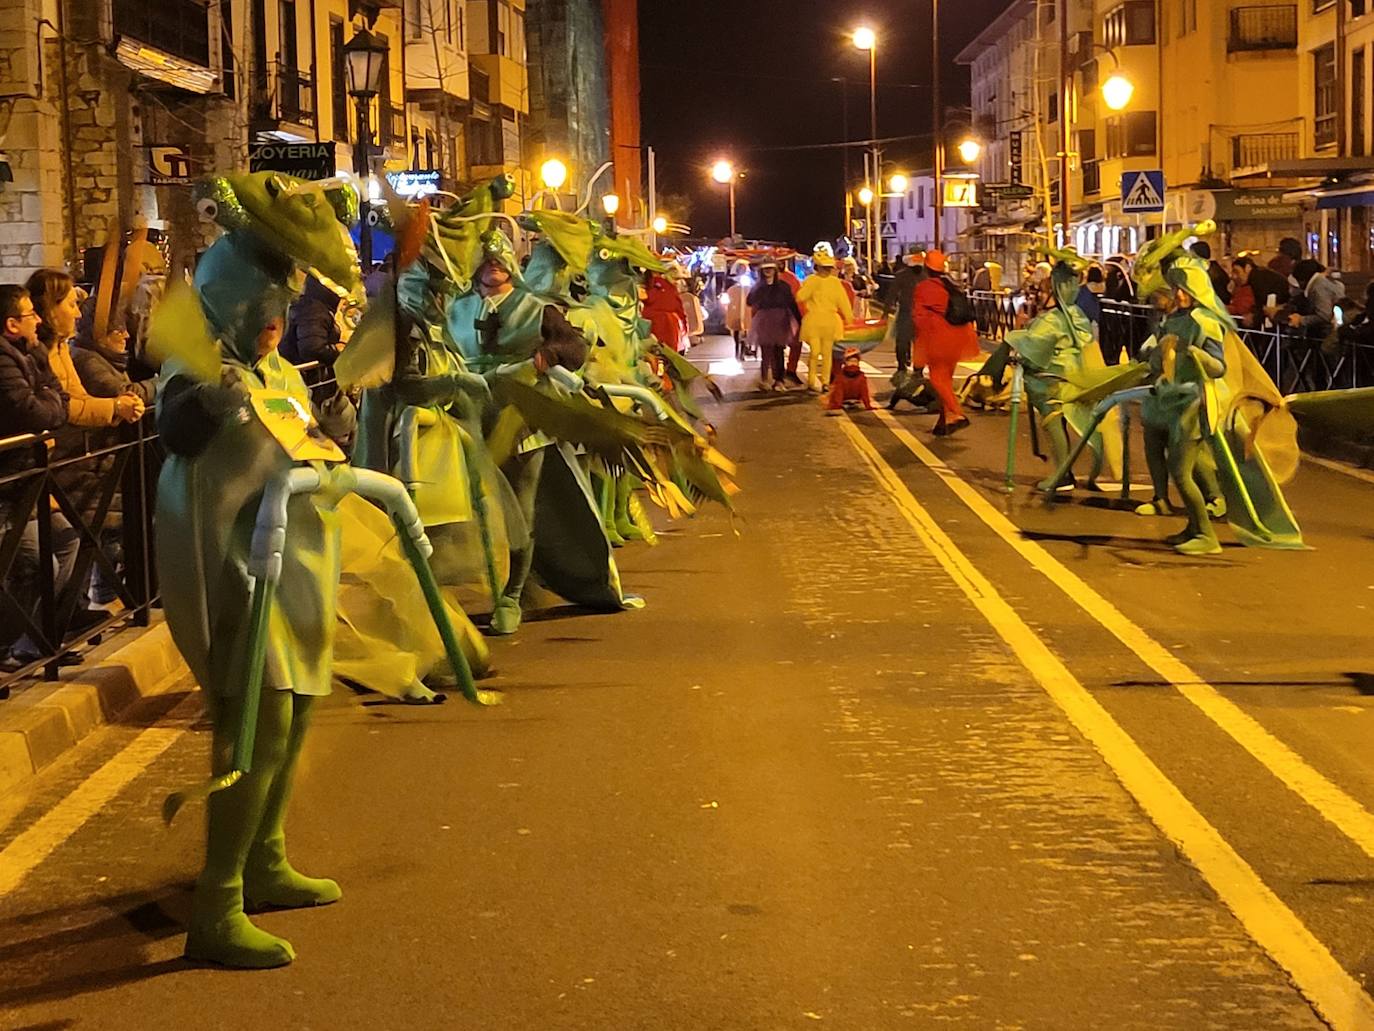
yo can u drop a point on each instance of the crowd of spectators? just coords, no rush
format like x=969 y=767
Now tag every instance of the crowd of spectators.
x=65 y=388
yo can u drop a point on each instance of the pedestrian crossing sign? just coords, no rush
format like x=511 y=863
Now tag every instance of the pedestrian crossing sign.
x=1142 y=193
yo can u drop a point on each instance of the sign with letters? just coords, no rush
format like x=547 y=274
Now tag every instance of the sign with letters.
x=303 y=160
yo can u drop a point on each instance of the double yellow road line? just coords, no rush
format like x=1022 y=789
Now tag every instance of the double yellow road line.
x=1326 y=985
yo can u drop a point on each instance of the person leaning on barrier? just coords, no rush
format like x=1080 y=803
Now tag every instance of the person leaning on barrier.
x=54 y=296
x=1317 y=318
x=31 y=401
x=1252 y=286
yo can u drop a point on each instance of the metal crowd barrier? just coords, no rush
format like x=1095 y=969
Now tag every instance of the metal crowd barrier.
x=80 y=475
x=1295 y=361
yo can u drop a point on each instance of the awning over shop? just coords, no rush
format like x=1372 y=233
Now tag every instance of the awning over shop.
x=1354 y=197
x=156 y=64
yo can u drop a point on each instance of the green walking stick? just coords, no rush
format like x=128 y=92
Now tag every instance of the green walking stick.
x=397 y=501
x=1017 y=394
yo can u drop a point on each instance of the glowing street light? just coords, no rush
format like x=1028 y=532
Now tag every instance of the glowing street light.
x=660 y=224
x=610 y=203
x=865 y=38
x=724 y=173
x=898 y=183
x=1117 y=91
x=969 y=149
x=553 y=173
x=865 y=196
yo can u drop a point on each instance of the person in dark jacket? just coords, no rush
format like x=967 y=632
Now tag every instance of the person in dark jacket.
x=31 y=401
x=904 y=285
x=774 y=322
x=1290 y=253
x=313 y=335
x=1221 y=280
x=103 y=367
x=1252 y=286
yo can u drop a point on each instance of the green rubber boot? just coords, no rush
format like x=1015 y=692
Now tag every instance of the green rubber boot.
x=221 y=933
x=505 y=618
x=269 y=880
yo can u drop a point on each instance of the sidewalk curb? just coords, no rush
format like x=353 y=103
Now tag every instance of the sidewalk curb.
x=47 y=719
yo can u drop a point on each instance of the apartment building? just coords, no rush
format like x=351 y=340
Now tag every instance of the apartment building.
x=1217 y=95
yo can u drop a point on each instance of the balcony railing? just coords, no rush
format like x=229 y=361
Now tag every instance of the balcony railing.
x=1250 y=149
x=285 y=96
x=1263 y=28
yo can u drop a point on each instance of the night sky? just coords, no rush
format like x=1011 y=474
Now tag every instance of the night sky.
x=732 y=77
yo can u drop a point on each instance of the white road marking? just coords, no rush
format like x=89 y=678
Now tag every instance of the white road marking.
x=1334 y=804
x=1331 y=991
x=33 y=845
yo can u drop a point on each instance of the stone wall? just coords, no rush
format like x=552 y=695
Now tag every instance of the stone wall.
x=31 y=206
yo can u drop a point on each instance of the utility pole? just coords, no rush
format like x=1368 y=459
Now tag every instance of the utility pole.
x=937 y=117
x=875 y=161
x=1065 y=137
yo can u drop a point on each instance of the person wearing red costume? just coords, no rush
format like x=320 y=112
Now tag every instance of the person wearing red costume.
x=663 y=308
x=941 y=345
x=850 y=385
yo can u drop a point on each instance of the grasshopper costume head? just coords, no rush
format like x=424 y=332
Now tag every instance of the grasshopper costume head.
x=303 y=221
x=1067 y=266
x=244 y=287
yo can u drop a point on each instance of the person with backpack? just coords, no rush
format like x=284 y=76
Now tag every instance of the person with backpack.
x=945 y=336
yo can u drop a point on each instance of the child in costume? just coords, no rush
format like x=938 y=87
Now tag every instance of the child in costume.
x=825 y=306
x=850 y=385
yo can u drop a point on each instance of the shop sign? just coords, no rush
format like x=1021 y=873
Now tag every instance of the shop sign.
x=1242 y=205
x=302 y=160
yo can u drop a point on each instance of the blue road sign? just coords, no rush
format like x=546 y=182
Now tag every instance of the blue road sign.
x=1142 y=193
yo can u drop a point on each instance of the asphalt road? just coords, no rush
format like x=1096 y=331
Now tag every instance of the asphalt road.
x=816 y=782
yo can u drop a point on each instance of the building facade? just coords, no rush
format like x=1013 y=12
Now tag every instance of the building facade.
x=1248 y=108
x=110 y=109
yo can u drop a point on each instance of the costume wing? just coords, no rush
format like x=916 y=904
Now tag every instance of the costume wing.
x=177 y=331
x=568 y=234
x=633 y=251
x=618 y=440
x=369 y=360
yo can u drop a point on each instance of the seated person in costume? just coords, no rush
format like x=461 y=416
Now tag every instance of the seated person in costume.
x=850 y=385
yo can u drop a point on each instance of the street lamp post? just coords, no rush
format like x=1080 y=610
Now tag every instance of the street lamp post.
x=365 y=55
x=866 y=39
x=724 y=173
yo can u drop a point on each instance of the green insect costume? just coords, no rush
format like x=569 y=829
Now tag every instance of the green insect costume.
x=251 y=604
x=512 y=337
x=1060 y=360
x=1213 y=404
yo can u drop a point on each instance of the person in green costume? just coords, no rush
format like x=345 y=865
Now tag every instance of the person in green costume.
x=1055 y=348
x=232 y=416
x=219 y=458
x=1190 y=351
x=1235 y=422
